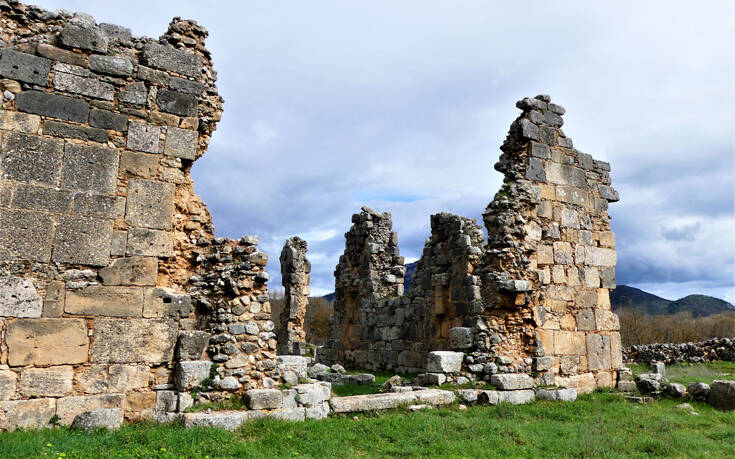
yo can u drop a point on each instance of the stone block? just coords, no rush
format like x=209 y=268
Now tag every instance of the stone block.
x=84 y=241
x=227 y=420
x=141 y=271
x=53 y=105
x=606 y=320
x=25 y=235
x=73 y=131
x=84 y=34
x=190 y=374
x=124 y=378
x=569 y=343
x=186 y=86
x=105 y=119
x=8 y=381
x=119 y=243
x=598 y=352
x=597 y=256
x=562 y=174
x=133 y=93
x=540 y=150
x=430 y=379
x=318 y=412
x=150 y=243
x=512 y=381
x=105 y=301
x=16 y=163
x=150 y=204
x=27 y=414
x=19 y=298
x=90 y=87
x=372 y=402
x=264 y=399
x=542 y=363
x=91 y=379
x=722 y=395
x=140 y=164
x=47 y=341
x=91 y=169
x=98 y=205
x=563 y=395
x=61 y=55
x=192 y=343
x=563 y=253
x=69 y=407
x=166 y=302
x=545 y=255
x=143 y=137
x=181 y=143
x=178 y=103
x=133 y=341
x=444 y=362
x=311 y=395
x=19 y=122
x=105 y=418
x=698 y=390
x=461 y=338
x=116 y=33
x=569 y=218
x=46 y=382
x=111 y=65
x=535 y=170
x=53 y=303
x=33 y=197
x=172 y=59
x=586 y=320
x=24 y=67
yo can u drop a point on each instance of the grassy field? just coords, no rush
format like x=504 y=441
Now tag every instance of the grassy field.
x=598 y=425
x=700 y=372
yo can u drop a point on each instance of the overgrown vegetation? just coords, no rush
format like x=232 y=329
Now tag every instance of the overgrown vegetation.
x=597 y=425
x=636 y=327
x=235 y=402
x=688 y=373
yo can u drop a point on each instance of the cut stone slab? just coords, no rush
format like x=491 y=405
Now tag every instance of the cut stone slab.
x=228 y=420
x=46 y=382
x=312 y=394
x=444 y=362
x=372 y=402
x=191 y=344
x=515 y=397
x=83 y=240
x=27 y=414
x=19 y=298
x=47 y=341
x=68 y=408
x=24 y=67
x=294 y=363
x=564 y=395
x=133 y=340
x=722 y=395
x=105 y=418
x=338 y=379
x=150 y=204
x=53 y=105
x=264 y=399
x=460 y=338
x=47 y=155
x=169 y=58
x=512 y=381
x=140 y=271
x=190 y=374
x=698 y=390
x=100 y=300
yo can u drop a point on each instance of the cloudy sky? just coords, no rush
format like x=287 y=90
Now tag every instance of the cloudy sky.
x=403 y=105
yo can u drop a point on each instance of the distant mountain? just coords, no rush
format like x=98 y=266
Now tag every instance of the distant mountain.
x=625 y=297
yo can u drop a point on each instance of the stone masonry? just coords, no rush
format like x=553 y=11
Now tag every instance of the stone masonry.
x=532 y=299
x=114 y=292
x=295 y=274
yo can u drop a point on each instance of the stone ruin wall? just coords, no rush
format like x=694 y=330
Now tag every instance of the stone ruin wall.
x=295 y=277
x=113 y=290
x=534 y=298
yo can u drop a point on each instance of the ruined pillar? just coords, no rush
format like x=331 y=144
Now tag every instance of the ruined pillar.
x=295 y=274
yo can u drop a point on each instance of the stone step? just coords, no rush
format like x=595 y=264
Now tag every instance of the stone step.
x=372 y=402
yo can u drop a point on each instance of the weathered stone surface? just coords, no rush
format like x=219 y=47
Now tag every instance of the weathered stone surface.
x=105 y=418
x=105 y=119
x=178 y=103
x=187 y=86
x=124 y=378
x=722 y=395
x=24 y=67
x=181 y=143
x=61 y=55
x=190 y=374
x=564 y=395
x=311 y=395
x=47 y=341
x=143 y=137
x=150 y=204
x=140 y=164
x=90 y=87
x=105 y=301
x=227 y=420
x=699 y=390
x=150 y=243
x=512 y=381
x=53 y=105
x=111 y=65
x=27 y=414
x=59 y=129
x=133 y=340
x=8 y=381
x=84 y=34
x=18 y=148
x=46 y=382
x=19 y=298
x=444 y=362
x=372 y=402
x=25 y=235
x=264 y=399
x=191 y=344
x=676 y=390
x=133 y=93
x=461 y=338
x=318 y=412
x=84 y=241
x=69 y=407
x=169 y=58
x=141 y=271
x=89 y=168
x=598 y=352
x=116 y=33
x=19 y=122
x=98 y=205
x=165 y=302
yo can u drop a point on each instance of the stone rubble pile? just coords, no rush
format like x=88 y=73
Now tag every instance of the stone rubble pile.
x=704 y=351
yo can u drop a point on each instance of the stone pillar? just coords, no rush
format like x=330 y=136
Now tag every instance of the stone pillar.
x=295 y=274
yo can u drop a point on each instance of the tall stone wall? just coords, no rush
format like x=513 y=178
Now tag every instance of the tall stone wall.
x=295 y=276
x=107 y=256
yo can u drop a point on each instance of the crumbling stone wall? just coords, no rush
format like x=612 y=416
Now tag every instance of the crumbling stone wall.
x=107 y=256
x=703 y=351
x=533 y=299
x=295 y=276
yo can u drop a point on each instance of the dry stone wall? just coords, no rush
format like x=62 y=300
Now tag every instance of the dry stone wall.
x=109 y=270
x=703 y=351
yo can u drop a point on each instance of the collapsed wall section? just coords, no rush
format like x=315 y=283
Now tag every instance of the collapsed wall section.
x=106 y=252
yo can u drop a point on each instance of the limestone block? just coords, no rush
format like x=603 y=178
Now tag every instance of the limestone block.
x=8 y=381
x=150 y=204
x=191 y=345
x=27 y=414
x=133 y=340
x=264 y=399
x=563 y=395
x=187 y=86
x=574 y=195
x=19 y=122
x=143 y=137
x=512 y=381
x=584 y=383
x=19 y=298
x=16 y=165
x=24 y=67
x=178 y=103
x=91 y=169
x=181 y=143
x=90 y=87
x=105 y=418
x=172 y=59
x=124 y=378
x=190 y=374
x=69 y=407
x=461 y=338
x=569 y=343
x=606 y=320
x=165 y=302
x=311 y=395
x=105 y=119
x=605 y=379
x=698 y=390
x=46 y=382
x=84 y=34
x=616 y=350
x=141 y=271
x=167 y=401
x=227 y=420
x=569 y=218
x=586 y=320
x=67 y=130
x=444 y=362
x=722 y=395
x=372 y=402
x=84 y=241
x=92 y=379
x=140 y=164
x=598 y=352
x=545 y=255
x=597 y=256
x=105 y=301
x=319 y=411
x=119 y=243
x=563 y=253
x=562 y=174
x=61 y=55
x=133 y=93
x=47 y=341
x=288 y=414
x=150 y=243
x=116 y=33
x=535 y=170
x=516 y=397
x=111 y=65
x=53 y=105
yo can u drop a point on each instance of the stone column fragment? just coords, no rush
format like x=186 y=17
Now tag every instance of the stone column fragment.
x=295 y=275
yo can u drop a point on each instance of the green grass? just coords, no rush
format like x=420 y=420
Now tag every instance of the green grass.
x=685 y=374
x=597 y=425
